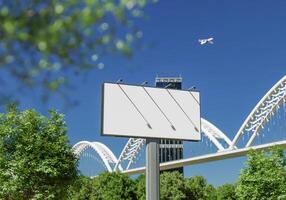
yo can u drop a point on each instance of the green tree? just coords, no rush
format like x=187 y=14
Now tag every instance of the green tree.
x=141 y=187
x=36 y=161
x=226 y=192
x=264 y=177
x=81 y=189
x=42 y=42
x=199 y=189
x=172 y=186
x=113 y=186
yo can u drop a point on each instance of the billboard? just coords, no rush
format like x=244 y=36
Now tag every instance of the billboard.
x=150 y=112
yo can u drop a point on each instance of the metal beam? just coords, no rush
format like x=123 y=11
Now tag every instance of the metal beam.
x=209 y=157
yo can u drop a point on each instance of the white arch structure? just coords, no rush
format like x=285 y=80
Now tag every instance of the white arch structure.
x=253 y=124
x=262 y=112
x=103 y=151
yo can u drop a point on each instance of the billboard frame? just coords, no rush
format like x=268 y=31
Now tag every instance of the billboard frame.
x=134 y=136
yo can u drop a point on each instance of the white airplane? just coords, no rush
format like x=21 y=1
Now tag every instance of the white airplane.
x=206 y=41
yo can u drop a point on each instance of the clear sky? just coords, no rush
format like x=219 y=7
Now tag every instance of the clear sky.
x=248 y=56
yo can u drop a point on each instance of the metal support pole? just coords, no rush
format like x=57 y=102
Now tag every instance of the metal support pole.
x=152 y=170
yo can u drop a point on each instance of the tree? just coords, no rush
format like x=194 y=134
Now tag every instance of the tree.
x=226 y=192
x=81 y=189
x=113 y=186
x=36 y=161
x=141 y=187
x=199 y=189
x=172 y=186
x=264 y=177
x=42 y=42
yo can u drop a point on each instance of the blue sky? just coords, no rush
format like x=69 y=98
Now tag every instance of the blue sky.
x=247 y=58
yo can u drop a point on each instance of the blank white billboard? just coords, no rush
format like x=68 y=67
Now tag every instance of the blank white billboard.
x=150 y=112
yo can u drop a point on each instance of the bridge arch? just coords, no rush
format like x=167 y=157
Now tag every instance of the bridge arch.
x=262 y=112
x=102 y=150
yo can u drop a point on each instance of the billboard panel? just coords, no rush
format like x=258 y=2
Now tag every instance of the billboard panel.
x=150 y=112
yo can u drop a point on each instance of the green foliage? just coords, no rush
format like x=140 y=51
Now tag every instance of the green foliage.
x=36 y=161
x=172 y=186
x=81 y=189
x=42 y=41
x=106 y=186
x=141 y=187
x=113 y=186
x=226 y=192
x=264 y=178
x=282 y=197
x=199 y=189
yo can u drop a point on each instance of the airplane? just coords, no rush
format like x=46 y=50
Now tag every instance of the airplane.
x=206 y=41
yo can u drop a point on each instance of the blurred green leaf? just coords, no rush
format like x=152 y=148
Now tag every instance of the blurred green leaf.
x=38 y=34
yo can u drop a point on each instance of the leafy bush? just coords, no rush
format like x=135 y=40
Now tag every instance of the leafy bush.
x=36 y=161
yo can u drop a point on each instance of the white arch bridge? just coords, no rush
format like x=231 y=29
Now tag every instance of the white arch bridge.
x=226 y=148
